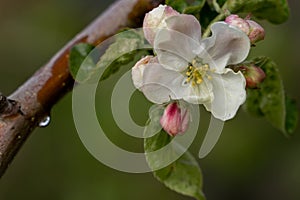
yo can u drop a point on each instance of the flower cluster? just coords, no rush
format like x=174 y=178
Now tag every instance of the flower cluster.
x=190 y=68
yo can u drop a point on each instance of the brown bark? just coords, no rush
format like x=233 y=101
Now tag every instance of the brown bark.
x=22 y=111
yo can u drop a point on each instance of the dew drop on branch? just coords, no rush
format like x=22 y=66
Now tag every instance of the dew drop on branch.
x=45 y=122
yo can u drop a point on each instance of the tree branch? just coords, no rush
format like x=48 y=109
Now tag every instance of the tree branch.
x=23 y=110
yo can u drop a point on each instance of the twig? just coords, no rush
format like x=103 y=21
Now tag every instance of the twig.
x=223 y=12
x=23 y=110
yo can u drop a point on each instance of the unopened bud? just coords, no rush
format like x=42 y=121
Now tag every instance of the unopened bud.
x=253 y=75
x=236 y=21
x=155 y=20
x=257 y=32
x=253 y=30
x=175 y=120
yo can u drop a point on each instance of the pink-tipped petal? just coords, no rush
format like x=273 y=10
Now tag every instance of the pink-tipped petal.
x=175 y=120
x=155 y=20
x=226 y=46
x=236 y=21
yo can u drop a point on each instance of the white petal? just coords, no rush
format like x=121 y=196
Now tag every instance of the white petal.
x=200 y=94
x=138 y=70
x=175 y=45
x=155 y=19
x=186 y=24
x=229 y=93
x=160 y=84
x=226 y=46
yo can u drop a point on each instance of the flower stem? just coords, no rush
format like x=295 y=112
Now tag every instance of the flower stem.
x=221 y=16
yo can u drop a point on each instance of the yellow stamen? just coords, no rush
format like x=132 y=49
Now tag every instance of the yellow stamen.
x=196 y=71
x=188 y=73
x=199 y=81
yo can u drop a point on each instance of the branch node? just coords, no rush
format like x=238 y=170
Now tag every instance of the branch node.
x=8 y=107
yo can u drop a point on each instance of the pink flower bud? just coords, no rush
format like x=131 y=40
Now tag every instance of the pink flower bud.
x=256 y=33
x=236 y=21
x=155 y=20
x=175 y=120
x=253 y=75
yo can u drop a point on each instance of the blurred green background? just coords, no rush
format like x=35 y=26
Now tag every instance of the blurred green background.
x=252 y=160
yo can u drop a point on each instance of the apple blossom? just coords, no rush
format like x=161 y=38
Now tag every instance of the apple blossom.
x=194 y=69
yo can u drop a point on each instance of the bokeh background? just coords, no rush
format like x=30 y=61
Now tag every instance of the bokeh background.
x=252 y=160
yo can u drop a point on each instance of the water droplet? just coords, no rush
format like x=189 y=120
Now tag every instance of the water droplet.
x=45 y=122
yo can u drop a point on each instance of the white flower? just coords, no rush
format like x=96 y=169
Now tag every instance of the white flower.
x=193 y=69
x=155 y=19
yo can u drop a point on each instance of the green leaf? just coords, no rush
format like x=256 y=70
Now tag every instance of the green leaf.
x=124 y=50
x=221 y=2
x=78 y=53
x=159 y=140
x=207 y=14
x=192 y=7
x=178 y=5
x=153 y=125
x=270 y=100
x=275 y=11
x=184 y=175
x=252 y=105
x=291 y=119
